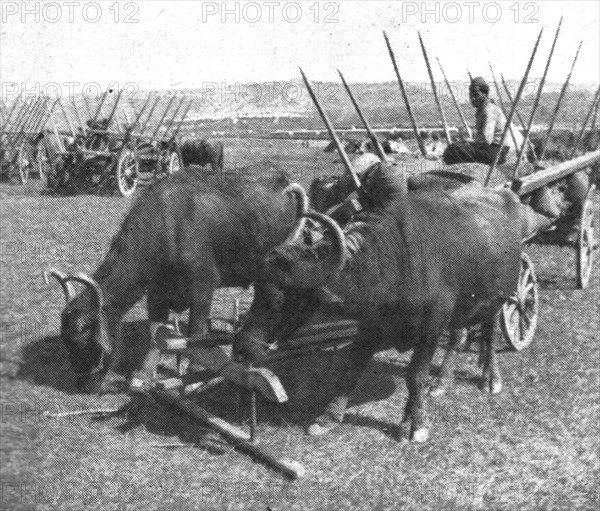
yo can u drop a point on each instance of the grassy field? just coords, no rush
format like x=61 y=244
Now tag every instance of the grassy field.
x=534 y=446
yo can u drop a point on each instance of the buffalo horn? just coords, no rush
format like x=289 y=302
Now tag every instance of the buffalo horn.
x=63 y=280
x=301 y=195
x=87 y=281
x=341 y=253
x=302 y=198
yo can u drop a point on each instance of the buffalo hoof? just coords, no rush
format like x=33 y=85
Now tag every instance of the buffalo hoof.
x=407 y=432
x=110 y=383
x=491 y=384
x=323 y=425
x=438 y=387
x=320 y=429
x=420 y=435
x=141 y=383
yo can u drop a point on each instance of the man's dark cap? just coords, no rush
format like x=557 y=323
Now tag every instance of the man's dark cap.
x=479 y=83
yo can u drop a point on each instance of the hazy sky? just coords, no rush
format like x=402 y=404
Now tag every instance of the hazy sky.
x=186 y=43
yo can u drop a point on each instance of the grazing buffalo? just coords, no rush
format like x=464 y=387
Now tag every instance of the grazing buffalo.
x=181 y=239
x=201 y=152
x=426 y=261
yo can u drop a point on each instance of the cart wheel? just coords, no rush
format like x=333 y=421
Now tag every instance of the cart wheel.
x=42 y=163
x=23 y=164
x=174 y=162
x=519 y=314
x=128 y=169
x=586 y=240
x=53 y=173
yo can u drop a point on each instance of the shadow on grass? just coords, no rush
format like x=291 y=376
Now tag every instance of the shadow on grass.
x=45 y=362
x=310 y=383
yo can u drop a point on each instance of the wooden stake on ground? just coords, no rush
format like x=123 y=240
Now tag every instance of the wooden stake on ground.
x=239 y=438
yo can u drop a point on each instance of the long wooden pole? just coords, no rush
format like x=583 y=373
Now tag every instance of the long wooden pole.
x=510 y=99
x=31 y=121
x=499 y=93
x=332 y=133
x=138 y=116
x=455 y=101
x=501 y=103
x=173 y=117
x=143 y=128
x=434 y=89
x=22 y=117
x=79 y=120
x=114 y=108
x=563 y=90
x=405 y=97
x=20 y=111
x=237 y=436
x=536 y=102
x=183 y=118
x=587 y=119
x=28 y=122
x=100 y=105
x=88 y=107
x=64 y=111
x=163 y=116
x=512 y=110
x=9 y=115
x=372 y=136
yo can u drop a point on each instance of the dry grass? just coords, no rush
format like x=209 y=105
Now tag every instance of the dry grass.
x=535 y=446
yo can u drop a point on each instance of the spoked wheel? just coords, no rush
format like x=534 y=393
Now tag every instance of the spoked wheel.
x=23 y=164
x=519 y=314
x=586 y=242
x=42 y=162
x=128 y=169
x=174 y=164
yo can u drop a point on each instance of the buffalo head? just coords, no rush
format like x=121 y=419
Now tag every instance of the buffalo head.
x=84 y=329
x=305 y=263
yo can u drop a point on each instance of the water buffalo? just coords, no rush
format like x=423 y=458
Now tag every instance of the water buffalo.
x=201 y=152
x=428 y=261
x=181 y=239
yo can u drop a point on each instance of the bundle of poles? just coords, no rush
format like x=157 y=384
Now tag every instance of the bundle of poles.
x=509 y=113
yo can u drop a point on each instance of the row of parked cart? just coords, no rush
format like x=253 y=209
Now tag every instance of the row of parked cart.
x=113 y=151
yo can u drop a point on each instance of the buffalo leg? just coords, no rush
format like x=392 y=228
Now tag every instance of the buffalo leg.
x=111 y=381
x=491 y=380
x=458 y=338
x=426 y=335
x=158 y=314
x=360 y=355
x=202 y=294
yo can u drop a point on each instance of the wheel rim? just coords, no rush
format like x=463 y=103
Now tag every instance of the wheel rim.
x=127 y=173
x=41 y=162
x=520 y=312
x=174 y=163
x=23 y=165
x=586 y=241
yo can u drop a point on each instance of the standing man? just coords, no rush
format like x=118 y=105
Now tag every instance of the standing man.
x=490 y=123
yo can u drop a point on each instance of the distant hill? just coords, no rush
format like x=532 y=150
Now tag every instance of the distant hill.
x=287 y=104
